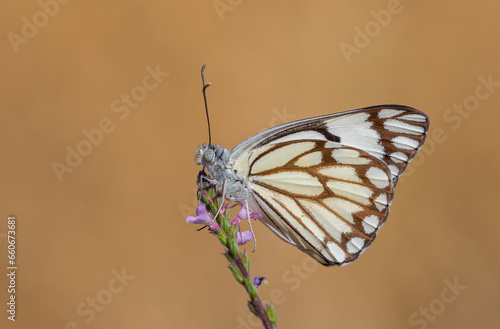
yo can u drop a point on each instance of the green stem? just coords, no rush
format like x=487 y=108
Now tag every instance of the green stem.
x=255 y=301
x=238 y=262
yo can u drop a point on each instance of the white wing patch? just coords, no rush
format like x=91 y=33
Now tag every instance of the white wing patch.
x=310 y=159
x=280 y=156
x=341 y=172
x=355 y=245
x=388 y=113
x=272 y=198
x=399 y=126
x=399 y=157
x=292 y=182
x=381 y=202
x=330 y=222
x=255 y=153
x=378 y=177
x=394 y=170
x=344 y=208
x=349 y=157
x=370 y=224
x=405 y=143
x=337 y=253
x=356 y=192
x=414 y=117
x=354 y=119
x=354 y=130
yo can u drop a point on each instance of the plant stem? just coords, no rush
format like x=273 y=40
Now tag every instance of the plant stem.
x=238 y=262
x=254 y=300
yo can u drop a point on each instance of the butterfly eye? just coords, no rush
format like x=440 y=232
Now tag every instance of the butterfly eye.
x=208 y=156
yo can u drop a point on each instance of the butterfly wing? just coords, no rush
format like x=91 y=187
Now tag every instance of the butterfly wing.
x=391 y=133
x=326 y=183
x=327 y=199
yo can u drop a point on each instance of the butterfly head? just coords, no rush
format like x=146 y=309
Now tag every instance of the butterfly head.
x=205 y=155
x=214 y=159
x=208 y=155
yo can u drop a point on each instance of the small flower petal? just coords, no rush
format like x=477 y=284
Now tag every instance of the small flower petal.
x=214 y=227
x=243 y=212
x=255 y=215
x=244 y=215
x=258 y=280
x=202 y=212
x=202 y=216
x=192 y=219
x=244 y=237
x=236 y=220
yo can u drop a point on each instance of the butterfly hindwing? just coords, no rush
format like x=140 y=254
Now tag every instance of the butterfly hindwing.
x=324 y=197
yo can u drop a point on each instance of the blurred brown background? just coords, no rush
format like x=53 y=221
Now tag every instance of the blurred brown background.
x=118 y=209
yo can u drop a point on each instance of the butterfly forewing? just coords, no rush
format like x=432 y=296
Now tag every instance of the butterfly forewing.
x=392 y=133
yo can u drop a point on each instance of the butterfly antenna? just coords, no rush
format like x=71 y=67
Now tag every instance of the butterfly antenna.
x=205 y=85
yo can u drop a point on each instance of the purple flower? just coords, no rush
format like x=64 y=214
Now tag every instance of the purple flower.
x=258 y=280
x=243 y=214
x=243 y=237
x=203 y=218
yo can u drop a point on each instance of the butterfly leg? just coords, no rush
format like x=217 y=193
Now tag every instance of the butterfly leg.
x=202 y=177
x=223 y=199
x=250 y=224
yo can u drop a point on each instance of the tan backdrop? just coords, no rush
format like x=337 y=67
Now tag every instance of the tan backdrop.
x=101 y=113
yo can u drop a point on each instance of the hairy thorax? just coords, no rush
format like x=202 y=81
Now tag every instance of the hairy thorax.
x=216 y=160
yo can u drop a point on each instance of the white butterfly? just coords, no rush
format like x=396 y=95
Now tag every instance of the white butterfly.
x=325 y=184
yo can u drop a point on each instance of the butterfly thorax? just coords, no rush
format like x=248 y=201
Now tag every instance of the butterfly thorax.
x=216 y=160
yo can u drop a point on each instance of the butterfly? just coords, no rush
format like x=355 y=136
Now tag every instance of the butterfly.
x=324 y=184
